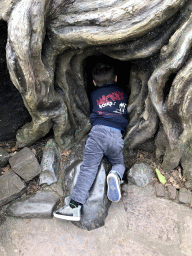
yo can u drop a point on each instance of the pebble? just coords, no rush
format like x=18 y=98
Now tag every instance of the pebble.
x=172 y=192
x=140 y=174
x=160 y=190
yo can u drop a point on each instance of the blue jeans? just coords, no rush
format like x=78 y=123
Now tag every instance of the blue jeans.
x=102 y=140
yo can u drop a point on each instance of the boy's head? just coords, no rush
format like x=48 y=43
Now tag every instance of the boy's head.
x=103 y=74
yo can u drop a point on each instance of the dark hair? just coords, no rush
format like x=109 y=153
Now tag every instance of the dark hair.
x=103 y=73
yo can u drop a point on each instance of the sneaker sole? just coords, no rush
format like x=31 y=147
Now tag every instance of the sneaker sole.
x=113 y=192
x=64 y=217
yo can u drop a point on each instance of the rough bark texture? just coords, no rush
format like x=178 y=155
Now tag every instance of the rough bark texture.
x=50 y=42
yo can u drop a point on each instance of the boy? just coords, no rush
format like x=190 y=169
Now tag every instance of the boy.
x=109 y=120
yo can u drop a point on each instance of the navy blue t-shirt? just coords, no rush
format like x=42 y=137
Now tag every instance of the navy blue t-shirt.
x=109 y=107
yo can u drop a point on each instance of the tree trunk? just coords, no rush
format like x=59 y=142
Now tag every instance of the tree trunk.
x=49 y=43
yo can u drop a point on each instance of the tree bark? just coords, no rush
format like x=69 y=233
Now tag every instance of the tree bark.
x=48 y=42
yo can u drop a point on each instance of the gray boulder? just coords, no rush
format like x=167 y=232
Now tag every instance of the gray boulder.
x=11 y=187
x=41 y=205
x=95 y=209
x=140 y=174
x=4 y=157
x=50 y=164
x=25 y=164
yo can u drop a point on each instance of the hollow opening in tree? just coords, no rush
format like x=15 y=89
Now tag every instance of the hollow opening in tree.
x=13 y=112
x=168 y=85
x=122 y=70
x=3 y=41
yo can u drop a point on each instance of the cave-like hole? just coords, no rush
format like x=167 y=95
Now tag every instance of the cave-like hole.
x=168 y=85
x=13 y=112
x=173 y=114
x=122 y=70
x=3 y=41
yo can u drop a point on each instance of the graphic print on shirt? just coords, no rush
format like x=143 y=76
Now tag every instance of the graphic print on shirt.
x=110 y=99
x=107 y=104
x=121 y=109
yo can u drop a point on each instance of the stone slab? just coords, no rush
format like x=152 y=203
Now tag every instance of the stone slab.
x=11 y=187
x=58 y=237
x=41 y=205
x=50 y=164
x=25 y=164
x=150 y=216
x=186 y=235
x=95 y=209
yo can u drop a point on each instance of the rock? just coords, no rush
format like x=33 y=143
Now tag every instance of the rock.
x=140 y=174
x=56 y=188
x=50 y=164
x=4 y=157
x=95 y=209
x=160 y=190
x=76 y=154
x=25 y=164
x=11 y=187
x=184 y=196
x=171 y=192
x=41 y=205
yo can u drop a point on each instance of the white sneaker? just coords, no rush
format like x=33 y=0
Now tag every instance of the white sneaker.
x=113 y=191
x=68 y=213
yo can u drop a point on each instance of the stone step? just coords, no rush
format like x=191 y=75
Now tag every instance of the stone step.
x=183 y=196
x=50 y=164
x=41 y=205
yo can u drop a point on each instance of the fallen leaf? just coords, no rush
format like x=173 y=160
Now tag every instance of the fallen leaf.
x=66 y=153
x=6 y=169
x=176 y=185
x=14 y=149
x=160 y=176
x=171 y=179
x=34 y=151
